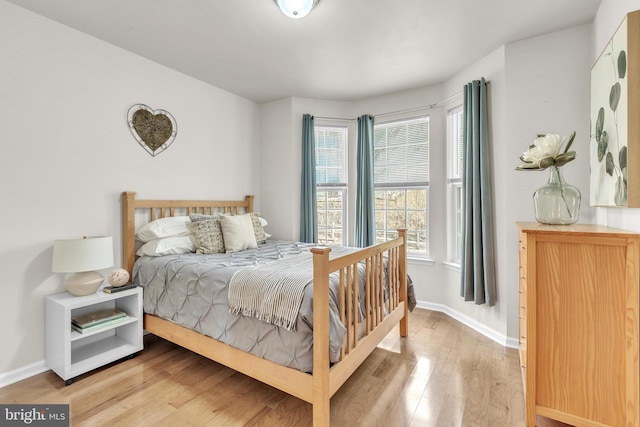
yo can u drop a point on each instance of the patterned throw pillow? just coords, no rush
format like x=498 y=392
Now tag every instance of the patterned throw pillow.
x=207 y=236
x=201 y=217
x=261 y=236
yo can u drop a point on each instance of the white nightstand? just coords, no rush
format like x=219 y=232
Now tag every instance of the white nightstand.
x=70 y=353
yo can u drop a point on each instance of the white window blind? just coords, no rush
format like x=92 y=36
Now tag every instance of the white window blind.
x=401 y=153
x=331 y=155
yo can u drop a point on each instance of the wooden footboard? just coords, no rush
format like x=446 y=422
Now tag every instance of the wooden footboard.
x=385 y=266
x=381 y=313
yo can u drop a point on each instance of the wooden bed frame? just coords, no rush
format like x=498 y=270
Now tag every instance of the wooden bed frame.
x=316 y=388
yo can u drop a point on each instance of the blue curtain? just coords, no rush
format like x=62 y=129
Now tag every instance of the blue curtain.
x=365 y=197
x=478 y=278
x=308 y=209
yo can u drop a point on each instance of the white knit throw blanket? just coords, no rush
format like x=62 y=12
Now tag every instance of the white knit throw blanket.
x=272 y=292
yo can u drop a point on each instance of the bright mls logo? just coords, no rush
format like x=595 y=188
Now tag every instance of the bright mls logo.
x=34 y=415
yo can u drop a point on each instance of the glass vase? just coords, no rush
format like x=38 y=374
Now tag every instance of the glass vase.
x=557 y=202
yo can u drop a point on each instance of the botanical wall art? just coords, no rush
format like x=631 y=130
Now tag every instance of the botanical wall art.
x=155 y=130
x=615 y=119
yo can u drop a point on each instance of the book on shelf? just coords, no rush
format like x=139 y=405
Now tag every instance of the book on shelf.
x=112 y=289
x=98 y=326
x=97 y=317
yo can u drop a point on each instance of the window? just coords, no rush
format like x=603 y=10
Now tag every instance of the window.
x=331 y=183
x=454 y=183
x=401 y=181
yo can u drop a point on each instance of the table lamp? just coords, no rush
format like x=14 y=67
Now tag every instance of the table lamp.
x=82 y=255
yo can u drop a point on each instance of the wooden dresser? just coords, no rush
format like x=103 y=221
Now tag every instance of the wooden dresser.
x=579 y=325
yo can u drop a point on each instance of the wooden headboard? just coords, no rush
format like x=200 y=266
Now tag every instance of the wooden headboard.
x=152 y=209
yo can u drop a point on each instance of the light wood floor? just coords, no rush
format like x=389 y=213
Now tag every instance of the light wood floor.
x=443 y=374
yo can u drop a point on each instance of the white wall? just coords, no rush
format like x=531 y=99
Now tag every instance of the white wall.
x=547 y=91
x=67 y=154
x=610 y=15
x=279 y=201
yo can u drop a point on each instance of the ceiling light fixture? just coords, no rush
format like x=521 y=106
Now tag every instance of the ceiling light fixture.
x=296 y=8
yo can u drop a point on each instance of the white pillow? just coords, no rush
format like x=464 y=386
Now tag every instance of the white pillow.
x=263 y=222
x=167 y=246
x=238 y=232
x=164 y=227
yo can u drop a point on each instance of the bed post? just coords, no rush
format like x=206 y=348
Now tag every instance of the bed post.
x=321 y=393
x=249 y=200
x=129 y=230
x=404 y=323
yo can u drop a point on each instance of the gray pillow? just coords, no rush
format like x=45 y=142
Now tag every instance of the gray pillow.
x=206 y=235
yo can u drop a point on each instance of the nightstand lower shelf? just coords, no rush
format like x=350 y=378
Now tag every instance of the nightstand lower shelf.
x=87 y=357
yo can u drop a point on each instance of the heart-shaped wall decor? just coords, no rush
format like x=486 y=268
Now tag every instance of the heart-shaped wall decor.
x=155 y=130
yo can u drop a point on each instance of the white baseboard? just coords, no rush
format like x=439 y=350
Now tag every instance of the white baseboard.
x=22 y=373
x=472 y=323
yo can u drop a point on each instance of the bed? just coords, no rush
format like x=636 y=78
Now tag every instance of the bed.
x=360 y=293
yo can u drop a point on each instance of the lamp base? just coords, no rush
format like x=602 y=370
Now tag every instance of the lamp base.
x=84 y=283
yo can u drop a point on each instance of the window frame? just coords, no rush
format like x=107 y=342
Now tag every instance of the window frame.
x=455 y=194
x=342 y=187
x=408 y=186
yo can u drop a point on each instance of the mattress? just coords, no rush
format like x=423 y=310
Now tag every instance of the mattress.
x=192 y=290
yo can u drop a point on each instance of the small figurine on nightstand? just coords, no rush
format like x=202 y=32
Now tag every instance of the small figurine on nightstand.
x=119 y=281
x=118 y=277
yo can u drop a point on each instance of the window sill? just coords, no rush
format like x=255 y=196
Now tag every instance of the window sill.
x=453 y=266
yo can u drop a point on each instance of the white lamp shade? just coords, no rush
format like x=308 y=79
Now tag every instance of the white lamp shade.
x=296 y=8
x=86 y=253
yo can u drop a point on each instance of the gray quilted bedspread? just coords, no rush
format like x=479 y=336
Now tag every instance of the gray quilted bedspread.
x=192 y=290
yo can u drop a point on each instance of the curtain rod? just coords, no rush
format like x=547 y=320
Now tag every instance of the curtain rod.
x=408 y=110
x=428 y=107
